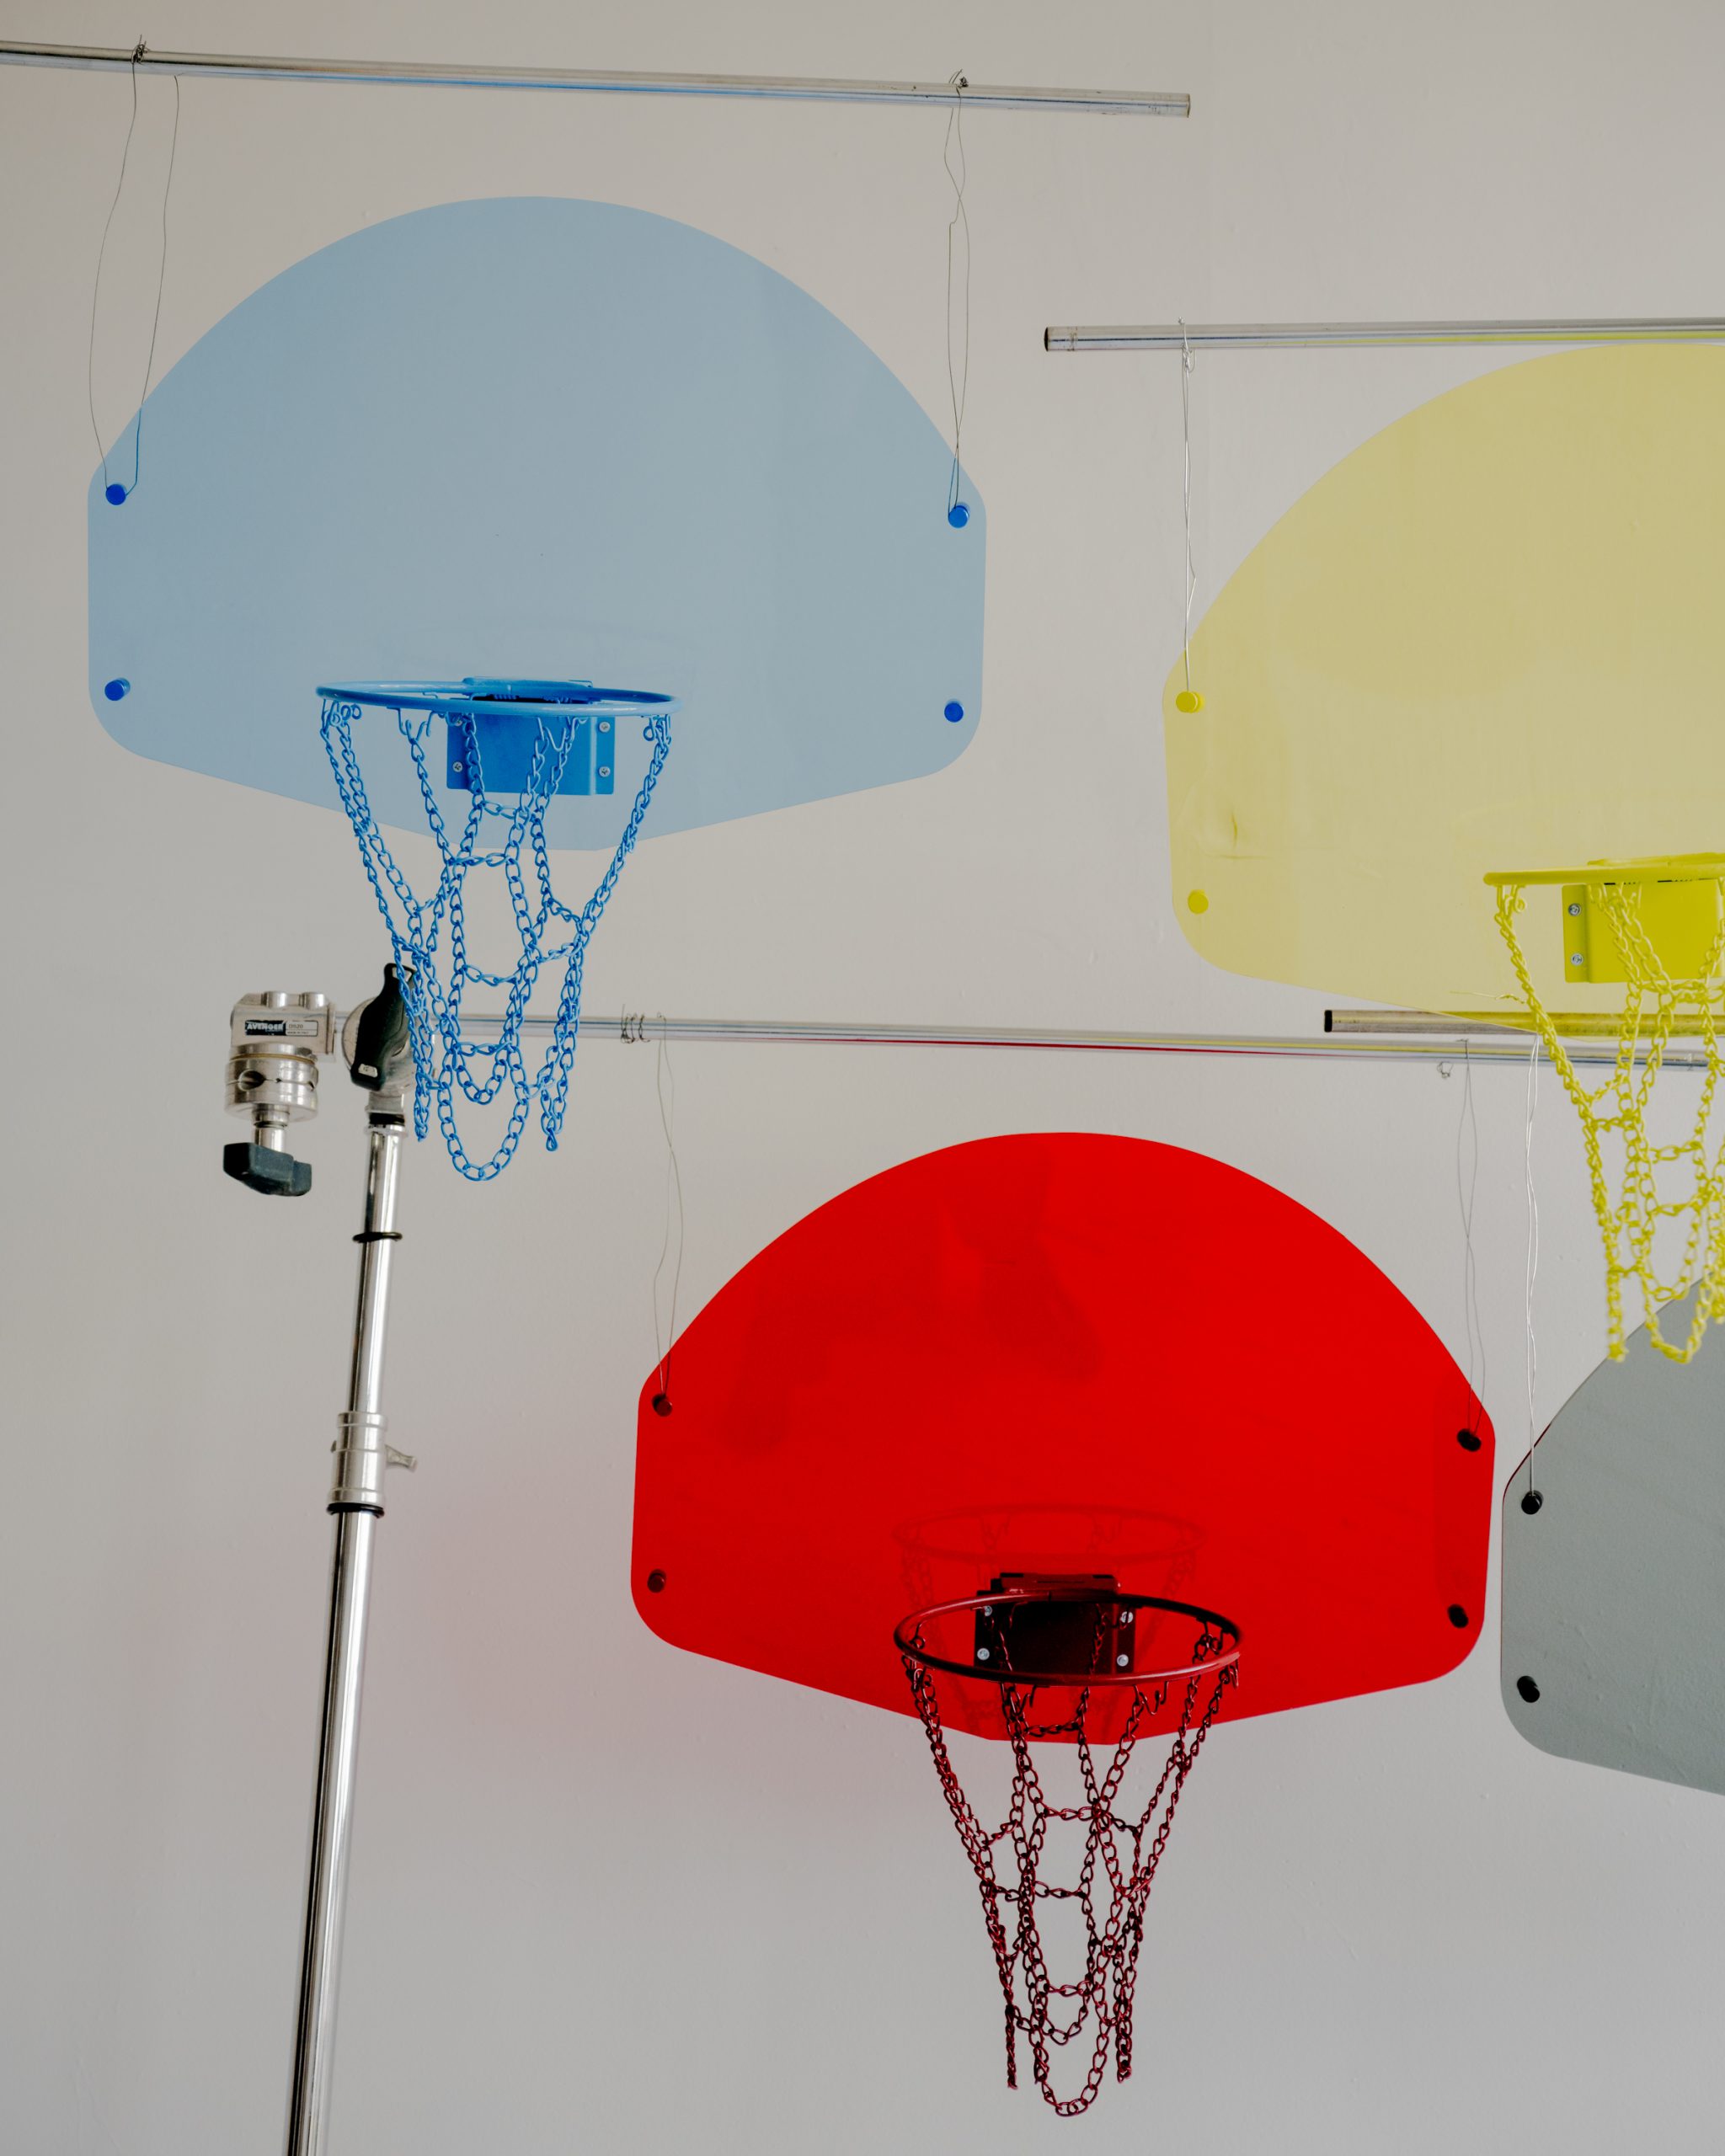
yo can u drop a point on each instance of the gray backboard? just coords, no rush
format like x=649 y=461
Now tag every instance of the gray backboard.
x=1614 y=1587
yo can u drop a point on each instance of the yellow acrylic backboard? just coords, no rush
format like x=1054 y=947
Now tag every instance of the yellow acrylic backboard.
x=1491 y=637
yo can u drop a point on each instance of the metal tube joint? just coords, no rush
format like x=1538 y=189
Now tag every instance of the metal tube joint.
x=362 y=1458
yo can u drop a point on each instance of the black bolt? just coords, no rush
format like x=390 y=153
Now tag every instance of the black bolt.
x=1469 y=1440
x=1529 y=1690
x=1458 y=1615
x=655 y=1583
x=662 y=1403
x=1532 y=1501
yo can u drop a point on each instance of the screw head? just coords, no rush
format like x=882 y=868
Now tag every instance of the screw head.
x=1469 y=1440
x=1119 y=1662
x=1574 y=912
x=982 y=1654
x=117 y=688
x=958 y=515
x=662 y=1403
x=1529 y=1690
x=953 y=712
x=1457 y=1615
x=655 y=1583
x=115 y=492
x=605 y=771
x=1532 y=1501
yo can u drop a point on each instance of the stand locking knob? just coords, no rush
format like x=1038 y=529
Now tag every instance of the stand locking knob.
x=267 y=1169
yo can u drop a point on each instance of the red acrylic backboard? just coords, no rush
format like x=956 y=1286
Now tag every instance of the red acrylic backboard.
x=1065 y=1353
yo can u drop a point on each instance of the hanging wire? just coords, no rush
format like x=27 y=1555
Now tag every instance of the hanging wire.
x=1533 y=1268
x=114 y=491
x=1186 y=497
x=1466 y=1191
x=665 y=1086
x=958 y=371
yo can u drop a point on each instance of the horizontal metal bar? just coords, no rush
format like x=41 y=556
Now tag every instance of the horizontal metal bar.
x=1571 y=1025
x=1462 y=1039
x=1293 y=336
x=816 y=89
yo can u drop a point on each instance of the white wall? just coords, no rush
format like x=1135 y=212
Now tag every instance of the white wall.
x=605 y=1897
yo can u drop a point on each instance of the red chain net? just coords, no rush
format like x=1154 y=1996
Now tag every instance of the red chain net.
x=1119 y=1851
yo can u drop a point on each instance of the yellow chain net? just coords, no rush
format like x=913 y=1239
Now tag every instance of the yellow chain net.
x=1655 y=1005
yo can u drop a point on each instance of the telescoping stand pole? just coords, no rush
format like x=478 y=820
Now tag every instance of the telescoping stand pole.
x=272 y=1076
x=356 y=1500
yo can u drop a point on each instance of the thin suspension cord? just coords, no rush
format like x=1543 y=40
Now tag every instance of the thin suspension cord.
x=137 y=439
x=665 y=1086
x=1186 y=497
x=1532 y=1259
x=959 y=371
x=161 y=279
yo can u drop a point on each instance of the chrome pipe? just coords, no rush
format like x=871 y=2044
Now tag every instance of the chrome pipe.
x=356 y=1500
x=1571 y=1025
x=1175 y=104
x=1482 y=1043
x=1296 y=336
x=377 y=1254
x=332 y=1824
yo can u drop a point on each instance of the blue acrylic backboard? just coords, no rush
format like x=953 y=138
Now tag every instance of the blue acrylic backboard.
x=543 y=437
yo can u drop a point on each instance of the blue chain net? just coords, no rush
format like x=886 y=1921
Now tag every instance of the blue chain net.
x=430 y=934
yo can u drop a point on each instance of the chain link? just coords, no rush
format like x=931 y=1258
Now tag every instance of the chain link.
x=1630 y=1216
x=430 y=934
x=1115 y=1876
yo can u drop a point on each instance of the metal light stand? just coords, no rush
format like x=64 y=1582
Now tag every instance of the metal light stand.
x=272 y=1075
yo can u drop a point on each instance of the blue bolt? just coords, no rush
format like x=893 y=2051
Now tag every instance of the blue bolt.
x=115 y=689
x=955 y=712
x=115 y=491
x=958 y=515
